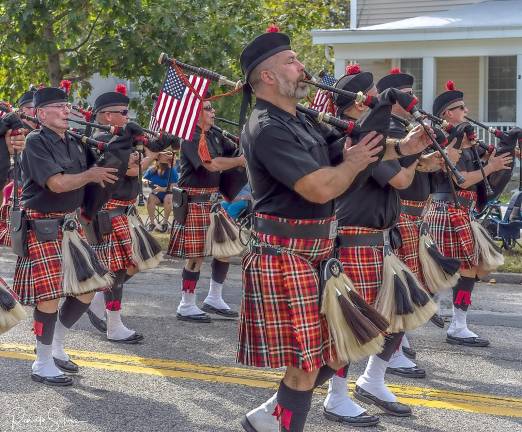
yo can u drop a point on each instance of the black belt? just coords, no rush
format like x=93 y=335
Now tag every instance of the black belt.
x=118 y=211
x=363 y=239
x=266 y=250
x=60 y=221
x=412 y=211
x=448 y=197
x=282 y=229
x=200 y=198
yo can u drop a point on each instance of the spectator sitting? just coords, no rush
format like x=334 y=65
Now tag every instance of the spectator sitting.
x=161 y=177
x=240 y=202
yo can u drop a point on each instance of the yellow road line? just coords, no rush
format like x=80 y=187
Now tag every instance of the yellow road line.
x=260 y=378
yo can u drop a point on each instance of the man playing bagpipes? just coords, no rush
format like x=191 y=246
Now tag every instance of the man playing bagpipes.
x=414 y=199
x=120 y=241
x=196 y=217
x=15 y=143
x=452 y=225
x=54 y=259
x=294 y=228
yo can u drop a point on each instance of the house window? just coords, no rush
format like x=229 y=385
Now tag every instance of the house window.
x=413 y=67
x=502 y=74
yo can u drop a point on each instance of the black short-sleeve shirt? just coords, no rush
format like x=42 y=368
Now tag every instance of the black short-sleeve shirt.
x=45 y=155
x=280 y=149
x=127 y=187
x=466 y=163
x=192 y=173
x=374 y=204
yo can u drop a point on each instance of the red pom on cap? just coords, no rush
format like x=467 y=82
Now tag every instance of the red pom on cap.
x=395 y=71
x=353 y=69
x=120 y=88
x=65 y=85
x=450 y=85
x=272 y=28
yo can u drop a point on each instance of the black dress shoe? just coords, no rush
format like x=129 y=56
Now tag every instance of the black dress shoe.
x=247 y=425
x=470 y=341
x=98 y=323
x=362 y=420
x=229 y=313
x=66 y=365
x=396 y=409
x=58 y=381
x=437 y=320
x=199 y=318
x=408 y=352
x=132 y=339
x=407 y=372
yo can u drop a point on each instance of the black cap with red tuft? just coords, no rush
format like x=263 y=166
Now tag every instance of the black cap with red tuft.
x=355 y=81
x=446 y=99
x=395 y=79
x=114 y=98
x=65 y=85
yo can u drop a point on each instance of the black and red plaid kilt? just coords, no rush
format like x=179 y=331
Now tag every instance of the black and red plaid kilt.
x=38 y=277
x=280 y=323
x=362 y=264
x=451 y=230
x=115 y=250
x=5 y=225
x=188 y=241
x=409 y=227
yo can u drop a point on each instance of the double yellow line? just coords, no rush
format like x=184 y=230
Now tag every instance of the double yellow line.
x=259 y=378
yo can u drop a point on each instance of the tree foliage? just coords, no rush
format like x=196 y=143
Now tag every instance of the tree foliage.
x=49 y=40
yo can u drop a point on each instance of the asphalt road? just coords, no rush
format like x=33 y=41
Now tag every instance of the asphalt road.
x=184 y=376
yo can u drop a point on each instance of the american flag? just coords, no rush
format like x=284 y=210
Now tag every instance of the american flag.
x=323 y=99
x=177 y=108
x=153 y=123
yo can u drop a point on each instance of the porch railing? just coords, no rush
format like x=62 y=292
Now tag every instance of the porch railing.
x=489 y=138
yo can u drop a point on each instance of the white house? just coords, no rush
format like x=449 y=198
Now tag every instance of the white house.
x=477 y=44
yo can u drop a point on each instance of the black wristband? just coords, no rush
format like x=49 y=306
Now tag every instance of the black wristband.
x=397 y=147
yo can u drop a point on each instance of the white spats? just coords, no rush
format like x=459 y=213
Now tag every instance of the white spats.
x=115 y=328
x=262 y=418
x=405 y=342
x=338 y=402
x=373 y=379
x=44 y=364
x=97 y=305
x=399 y=360
x=59 y=341
x=187 y=306
x=215 y=296
x=459 y=326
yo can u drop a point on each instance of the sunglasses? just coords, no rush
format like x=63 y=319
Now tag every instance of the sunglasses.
x=59 y=106
x=122 y=112
x=461 y=107
x=208 y=108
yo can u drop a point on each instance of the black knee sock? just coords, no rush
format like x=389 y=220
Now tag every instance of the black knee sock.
x=292 y=408
x=462 y=292
x=71 y=311
x=219 y=270
x=391 y=344
x=114 y=295
x=343 y=372
x=325 y=373
x=190 y=280
x=43 y=326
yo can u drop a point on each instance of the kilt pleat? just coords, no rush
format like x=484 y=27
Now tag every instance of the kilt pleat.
x=362 y=264
x=451 y=230
x=280 y=323
x=38 y=277
x=188 y=241
x=5 y=225
x=115 y=250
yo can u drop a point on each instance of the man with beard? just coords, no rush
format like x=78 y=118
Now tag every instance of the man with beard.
x=293 y=188
x=200 y=179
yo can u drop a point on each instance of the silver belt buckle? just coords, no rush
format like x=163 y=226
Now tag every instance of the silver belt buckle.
x=332 y=234
x=214 y=196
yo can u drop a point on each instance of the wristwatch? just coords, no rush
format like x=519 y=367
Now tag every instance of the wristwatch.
x=397 y=147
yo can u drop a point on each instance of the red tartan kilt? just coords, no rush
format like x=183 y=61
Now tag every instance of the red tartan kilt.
x=5 y=225
x=280 y=323
x=188 y=241
x=451 y=230
x=409 y=227
x=362 y=264
x=115 y=251
x=38 y=277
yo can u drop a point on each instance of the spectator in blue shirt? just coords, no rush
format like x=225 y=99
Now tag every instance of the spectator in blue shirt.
x=160 y=181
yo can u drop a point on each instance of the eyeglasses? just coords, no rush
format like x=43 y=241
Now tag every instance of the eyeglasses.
x=59 y=106
x=209 y=108
x=461 y=107
x=122 y=112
